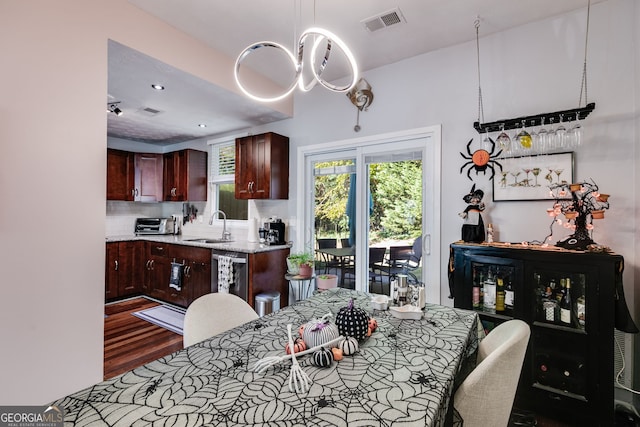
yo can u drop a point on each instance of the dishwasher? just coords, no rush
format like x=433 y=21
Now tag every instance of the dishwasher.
x=240 y=286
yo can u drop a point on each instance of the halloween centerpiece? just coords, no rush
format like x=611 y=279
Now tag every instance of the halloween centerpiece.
x=319 y=331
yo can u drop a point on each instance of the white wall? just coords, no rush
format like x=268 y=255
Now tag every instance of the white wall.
x=52 y=181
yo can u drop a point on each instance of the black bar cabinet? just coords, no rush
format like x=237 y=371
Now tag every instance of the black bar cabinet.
x=567 y=298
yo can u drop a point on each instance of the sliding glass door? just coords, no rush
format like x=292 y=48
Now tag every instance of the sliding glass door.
x=364 y=200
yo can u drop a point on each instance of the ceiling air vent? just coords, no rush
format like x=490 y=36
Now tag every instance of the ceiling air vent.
x=383 y=20
x=148 y=111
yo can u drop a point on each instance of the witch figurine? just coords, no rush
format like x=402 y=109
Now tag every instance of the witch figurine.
x=473 y=226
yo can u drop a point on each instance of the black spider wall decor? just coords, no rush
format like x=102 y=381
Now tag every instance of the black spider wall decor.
x=481 y=160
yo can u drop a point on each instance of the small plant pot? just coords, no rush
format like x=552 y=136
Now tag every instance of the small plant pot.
x=305 y=270
x=597 y=214
x=571 y=214
x=327 y=281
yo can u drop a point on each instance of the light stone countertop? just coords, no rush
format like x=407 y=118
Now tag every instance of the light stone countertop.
x=235 y=245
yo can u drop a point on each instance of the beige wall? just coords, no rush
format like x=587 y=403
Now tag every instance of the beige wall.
x=52 y=181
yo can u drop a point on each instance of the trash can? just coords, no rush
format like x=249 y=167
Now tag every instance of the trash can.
x=267 y=303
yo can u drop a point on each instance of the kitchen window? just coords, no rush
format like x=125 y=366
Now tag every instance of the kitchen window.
x=222 y=182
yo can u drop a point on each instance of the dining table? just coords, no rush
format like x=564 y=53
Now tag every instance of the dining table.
x=403 y=374
x=344 y=257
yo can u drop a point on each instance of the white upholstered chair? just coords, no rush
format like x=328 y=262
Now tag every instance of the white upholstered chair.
x=212 y=314
x=486 y=396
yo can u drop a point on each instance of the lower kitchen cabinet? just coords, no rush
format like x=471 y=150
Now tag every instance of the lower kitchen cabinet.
x=567 y=298
x=196 y=272
x=123 y=276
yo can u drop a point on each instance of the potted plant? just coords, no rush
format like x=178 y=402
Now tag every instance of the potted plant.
x=327 y=281
x=300 y=264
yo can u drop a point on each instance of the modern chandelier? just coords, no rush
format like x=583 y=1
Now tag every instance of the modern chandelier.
x=318 y=36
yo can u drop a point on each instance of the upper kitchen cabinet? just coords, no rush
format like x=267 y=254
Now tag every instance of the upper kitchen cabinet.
x=148 y=177
x=120 y=175
x=262 y=167
x=134 y=176
x=185 y=176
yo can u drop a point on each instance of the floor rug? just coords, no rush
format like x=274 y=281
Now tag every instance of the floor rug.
x=165 y=316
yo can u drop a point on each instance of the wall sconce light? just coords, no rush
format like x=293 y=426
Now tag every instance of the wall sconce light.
x=361 y=96
x=113 y=108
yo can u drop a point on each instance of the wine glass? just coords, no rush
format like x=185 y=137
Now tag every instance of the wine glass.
x=551 y=136
x=524 y=138
x=534 y=135
x=515 y=177
x=527 y=171
x=503 y=140
x=543 y=136
x=561 y=133
x=575 y=133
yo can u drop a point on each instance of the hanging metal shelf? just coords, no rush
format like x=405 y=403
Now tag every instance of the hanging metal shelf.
x=536 y=120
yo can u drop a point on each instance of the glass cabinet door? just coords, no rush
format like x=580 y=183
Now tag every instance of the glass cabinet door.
x=560 y=298
x=493 y=288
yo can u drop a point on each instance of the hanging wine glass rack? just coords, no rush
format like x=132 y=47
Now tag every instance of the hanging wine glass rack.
x=535 y=120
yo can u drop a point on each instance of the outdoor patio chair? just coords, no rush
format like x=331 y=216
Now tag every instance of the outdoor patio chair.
x=327 y=260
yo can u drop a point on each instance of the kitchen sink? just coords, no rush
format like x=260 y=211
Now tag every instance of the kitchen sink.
x=208 y=240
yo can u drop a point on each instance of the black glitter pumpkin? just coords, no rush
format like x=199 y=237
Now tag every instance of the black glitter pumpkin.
x=352 y=322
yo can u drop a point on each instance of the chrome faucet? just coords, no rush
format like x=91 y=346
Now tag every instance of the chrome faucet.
x=225 y=234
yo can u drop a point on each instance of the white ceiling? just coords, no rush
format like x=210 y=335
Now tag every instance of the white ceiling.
x=230 y=26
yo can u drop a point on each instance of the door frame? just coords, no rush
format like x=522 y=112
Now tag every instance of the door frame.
x=431 y=224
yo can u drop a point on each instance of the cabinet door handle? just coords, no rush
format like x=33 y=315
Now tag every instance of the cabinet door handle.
x=147 y=264
x=153 y=261
x=159 y=248
x=133 y=192
x=136 y=192
x=116 y=262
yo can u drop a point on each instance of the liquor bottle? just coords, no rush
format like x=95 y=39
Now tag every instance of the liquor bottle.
x=476 y=292
x=566 y=305
x=499 y=295
x=490 y=233
x=561 y=291
x=509 y=297
x=481 y=283
x=489 y=302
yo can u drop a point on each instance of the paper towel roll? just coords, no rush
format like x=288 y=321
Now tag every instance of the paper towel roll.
x=252 y=232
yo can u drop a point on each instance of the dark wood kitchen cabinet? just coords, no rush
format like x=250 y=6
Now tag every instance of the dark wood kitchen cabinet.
x=148 y=173
x=568 y=369
x=262 y=167
x=185 y=176
x=123 y=272
x=196 y=272
x=120 y=175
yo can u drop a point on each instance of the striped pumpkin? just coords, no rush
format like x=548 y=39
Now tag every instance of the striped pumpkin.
x=348 y=345
x=323 y=358
x=319 y=332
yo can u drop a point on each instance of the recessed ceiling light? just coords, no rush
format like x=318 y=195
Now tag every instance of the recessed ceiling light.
x=202 y=125
x=157 y=86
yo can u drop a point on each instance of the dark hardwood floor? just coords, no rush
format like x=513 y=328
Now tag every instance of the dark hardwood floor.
x=130 y=342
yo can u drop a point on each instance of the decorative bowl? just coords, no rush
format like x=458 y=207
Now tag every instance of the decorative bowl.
x=380 y=302
x=409 y=312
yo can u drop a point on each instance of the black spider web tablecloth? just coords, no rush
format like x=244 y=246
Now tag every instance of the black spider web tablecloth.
x=403 y=375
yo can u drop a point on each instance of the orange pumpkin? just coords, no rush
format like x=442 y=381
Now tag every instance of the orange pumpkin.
x=298 y=346
x=337 y=354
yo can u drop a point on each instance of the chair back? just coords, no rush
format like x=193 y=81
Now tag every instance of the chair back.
x=417 y=250
x=212 y=314
x=345 y=243
x=327 y=243
x=376 y=256
x=486 y=396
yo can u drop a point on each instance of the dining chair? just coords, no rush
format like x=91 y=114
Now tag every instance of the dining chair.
x=376 y=265
x=345 y=243
x=212 y=314
x=486 y=396
x=405 y=260
x=328 y=261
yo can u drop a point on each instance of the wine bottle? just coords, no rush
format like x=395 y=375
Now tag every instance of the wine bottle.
x=476 y=292
x=566 y=304
x=509 y=297
x=499 y=295
x=489 y=302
